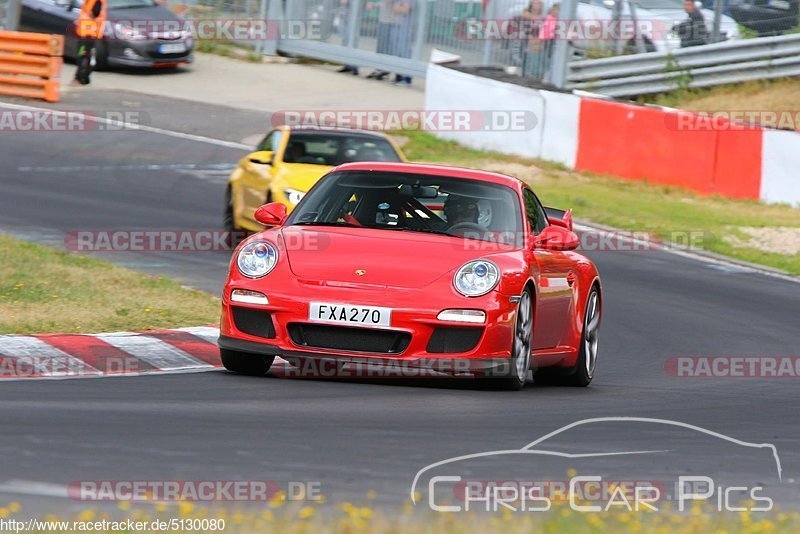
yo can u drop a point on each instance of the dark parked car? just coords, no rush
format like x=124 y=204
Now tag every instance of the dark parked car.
x=767 y=17
x=139 y=33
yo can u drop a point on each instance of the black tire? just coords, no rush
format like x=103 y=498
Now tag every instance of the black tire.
x=583 y=372
x=514 y=375
x=235 y=234
x=245 y=363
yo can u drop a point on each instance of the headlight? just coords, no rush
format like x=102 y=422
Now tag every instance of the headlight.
x=257 y=259
x=293 y=195
x=128 y=32
x=476 y=278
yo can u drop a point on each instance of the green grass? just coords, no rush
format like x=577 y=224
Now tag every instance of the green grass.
x=780 y=95
x=668 y=212
x=46 y=290
x=228 y=49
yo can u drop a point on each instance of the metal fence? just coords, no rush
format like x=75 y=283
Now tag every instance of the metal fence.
x=9 y=14
x=700 y=66
x=399 y=35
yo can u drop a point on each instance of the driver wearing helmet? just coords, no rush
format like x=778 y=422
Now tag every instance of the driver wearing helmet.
x=459 y=210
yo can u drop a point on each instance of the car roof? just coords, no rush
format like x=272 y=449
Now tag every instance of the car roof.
x=430 y=169
x=331 y=131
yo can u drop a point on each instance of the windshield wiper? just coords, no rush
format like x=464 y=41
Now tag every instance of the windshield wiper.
x=326 y=223
x=425 y=230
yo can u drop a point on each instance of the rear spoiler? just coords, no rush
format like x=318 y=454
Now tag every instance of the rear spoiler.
x=559 y=217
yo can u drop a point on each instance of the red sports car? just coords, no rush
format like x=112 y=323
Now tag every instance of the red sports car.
x=432 y=267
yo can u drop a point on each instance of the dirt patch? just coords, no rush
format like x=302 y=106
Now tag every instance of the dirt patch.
x=776 y=239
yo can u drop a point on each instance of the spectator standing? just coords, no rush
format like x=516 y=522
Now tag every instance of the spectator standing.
x=530 y=28
x=401 y=33
x=547 y=37
x=89 y=29
x=345 y=32
x=692 y=31
x=385 y=19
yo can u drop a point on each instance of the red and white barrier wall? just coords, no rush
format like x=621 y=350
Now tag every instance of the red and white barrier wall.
x=596 y=134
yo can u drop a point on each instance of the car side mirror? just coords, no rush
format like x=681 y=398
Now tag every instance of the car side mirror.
x=272 y=214
x=262 y=157
x=556 y=238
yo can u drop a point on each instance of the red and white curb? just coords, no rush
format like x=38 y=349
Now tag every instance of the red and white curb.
x=119 y=353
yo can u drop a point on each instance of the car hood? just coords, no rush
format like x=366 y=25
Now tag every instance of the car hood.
x=301 y=176
x=389 y=258
x=674 y=16
x=156 y=13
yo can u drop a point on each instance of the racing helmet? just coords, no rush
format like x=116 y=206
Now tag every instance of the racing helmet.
x=462 y=208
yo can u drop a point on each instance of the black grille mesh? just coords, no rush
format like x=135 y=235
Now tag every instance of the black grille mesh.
x=454 y=339
x=253 y=321
x=347 y=338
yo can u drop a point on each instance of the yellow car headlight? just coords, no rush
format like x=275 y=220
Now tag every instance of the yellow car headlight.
x=294 y=196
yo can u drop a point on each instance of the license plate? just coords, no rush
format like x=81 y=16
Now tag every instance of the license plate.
x=323 y=312
x=172 y=48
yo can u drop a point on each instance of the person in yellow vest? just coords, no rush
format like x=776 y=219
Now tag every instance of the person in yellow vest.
x=89 y=29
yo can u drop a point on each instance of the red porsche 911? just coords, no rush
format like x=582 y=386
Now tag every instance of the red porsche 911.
x=456 y=270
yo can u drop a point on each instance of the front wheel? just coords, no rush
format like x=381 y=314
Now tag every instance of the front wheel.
x=582 y=373
x=513 y=377
x=245 y=363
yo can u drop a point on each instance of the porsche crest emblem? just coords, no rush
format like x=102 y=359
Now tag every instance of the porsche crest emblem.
x=361 y=272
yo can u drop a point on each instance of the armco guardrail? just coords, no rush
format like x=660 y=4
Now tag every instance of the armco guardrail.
x=30 y=64
x=699 y=66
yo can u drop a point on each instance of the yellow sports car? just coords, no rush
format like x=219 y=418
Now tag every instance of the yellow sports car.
x=288 y=161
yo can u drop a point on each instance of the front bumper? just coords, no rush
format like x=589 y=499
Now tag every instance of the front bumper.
x=414 y=317
x=145 y=54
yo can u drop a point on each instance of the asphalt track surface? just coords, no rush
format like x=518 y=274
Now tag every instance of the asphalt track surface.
x=356 y=436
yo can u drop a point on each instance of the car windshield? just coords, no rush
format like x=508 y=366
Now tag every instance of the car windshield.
x=334 y=149
x=124 y=4
x=660 y=4
x=413 y=203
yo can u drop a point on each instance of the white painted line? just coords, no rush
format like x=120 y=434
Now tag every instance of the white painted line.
x=685 y=253
x=139 y=167
x=157 y=353
x=206 y=333
x=34 y=357
x=130 y=126
x=31 y=487
x=154 y=372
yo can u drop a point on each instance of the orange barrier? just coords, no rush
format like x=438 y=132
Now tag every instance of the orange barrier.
x=30 y=64
x=644 y=143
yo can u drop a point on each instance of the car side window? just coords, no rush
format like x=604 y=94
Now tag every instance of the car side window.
x=537 y=220
x=272 y=141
